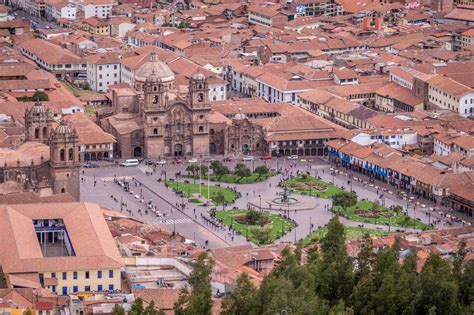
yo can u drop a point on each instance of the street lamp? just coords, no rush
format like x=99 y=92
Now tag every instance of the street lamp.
x=310 y=225
x=260 y=197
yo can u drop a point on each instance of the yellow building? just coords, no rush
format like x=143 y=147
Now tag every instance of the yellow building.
x=64 y=247
x=94 y=25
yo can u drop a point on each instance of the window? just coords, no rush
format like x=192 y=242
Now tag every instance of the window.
x=155 y=131
x=111 y=273
x=53 y=289
x=61 y=155
x=111 y=287
x=99 y=274
x=201 y=128
x=87 y=274
x=71 y=154
x=87 y=288
x=64 y=291
x=64 y=275
x=53 y=275
x=74 y=275
x=75 y=289
x=99 y=287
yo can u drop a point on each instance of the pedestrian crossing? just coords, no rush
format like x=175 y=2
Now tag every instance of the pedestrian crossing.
x=111 y=178
x=176 y=221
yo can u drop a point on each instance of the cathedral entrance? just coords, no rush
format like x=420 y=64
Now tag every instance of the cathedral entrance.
x=178 y=149
x=137 y=152
x=212 y=148
x=245 y=148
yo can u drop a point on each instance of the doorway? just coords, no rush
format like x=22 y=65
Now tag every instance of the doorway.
x=178 y=149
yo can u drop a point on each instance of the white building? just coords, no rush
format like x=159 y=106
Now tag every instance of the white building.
x=98 y=8
x=277 y=89
x=55 y=10
x=395 y=138
x=445 y=93
x=217 y=89
x=103 y=70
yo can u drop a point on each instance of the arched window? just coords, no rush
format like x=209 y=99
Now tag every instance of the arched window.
x=155 y=131
x=71 y=154
x=45 y=132
x=211 y=131
x=62 y=155
x=201 y=128
x=37 y=133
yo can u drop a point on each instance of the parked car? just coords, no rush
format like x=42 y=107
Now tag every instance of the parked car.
x=247 y=158
x=161 y=162
x=228 y=159
x=292 y=157
x=193 y=160
x=177 y=161
x=266 y=157
x=90 y=164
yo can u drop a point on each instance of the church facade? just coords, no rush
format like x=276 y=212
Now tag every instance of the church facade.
x=157 y=119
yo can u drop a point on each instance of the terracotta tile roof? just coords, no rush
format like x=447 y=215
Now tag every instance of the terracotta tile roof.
x=106 y=58
x=25 y=154
x=93 y=245
x=163 y=299
x=400 y=93
x=50 y=53
x=465 y=142
x=88 y=131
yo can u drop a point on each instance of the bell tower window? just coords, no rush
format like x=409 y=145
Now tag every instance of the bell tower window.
x=200 y=97
x=155 y=131
x=62 y=155
x=37 y=133
x=71 y=154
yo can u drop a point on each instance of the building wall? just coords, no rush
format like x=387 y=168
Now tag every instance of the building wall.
x=100 y=76
x=69 y=285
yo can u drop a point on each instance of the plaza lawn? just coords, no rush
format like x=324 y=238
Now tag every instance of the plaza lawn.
x=234 y=179
x=189 y=189
x=275 y=226
x=351 y=233
x=311 y=186
x=394 y=220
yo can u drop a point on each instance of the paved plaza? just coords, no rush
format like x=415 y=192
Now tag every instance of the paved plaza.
x=192 y=221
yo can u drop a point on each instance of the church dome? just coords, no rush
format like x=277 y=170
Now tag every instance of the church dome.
x=240 y=115
x=63 y=128
x=155 y=68
x=38 y=108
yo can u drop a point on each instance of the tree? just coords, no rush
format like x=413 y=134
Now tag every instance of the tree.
x=118 y=310
x=40 y=96
x=199 y=300
x=150 y=310
x=137 y=307
x=28 y=312
x=261 y=170
x=344 y=200
x=243 y=299
x=192 y=169
x=203 y=170
x=86 y=86
x=397 y=209
x=334 y=274
x=219 y=198
x=219 y=169
x=242 y=171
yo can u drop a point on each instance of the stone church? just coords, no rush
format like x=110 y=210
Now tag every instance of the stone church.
x=158 y=119
x=45 y=160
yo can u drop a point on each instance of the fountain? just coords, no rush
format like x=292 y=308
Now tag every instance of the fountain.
x=284 y=202
x=284 y=198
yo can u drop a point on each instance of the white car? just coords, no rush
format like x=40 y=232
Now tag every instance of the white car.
x=161 y=162
x=193 y=160
x=293 y=157
x=247 y=158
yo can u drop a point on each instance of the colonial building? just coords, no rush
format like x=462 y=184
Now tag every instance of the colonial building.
x=46 y=161
x=163 y=119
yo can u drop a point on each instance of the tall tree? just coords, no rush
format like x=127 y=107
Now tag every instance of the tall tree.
x=243 y=299
x=261 y=170
x=137 y=307
x=219 y=169
x=198 y=301
x=344 y=199
x=118 y=310
x=242 y=171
